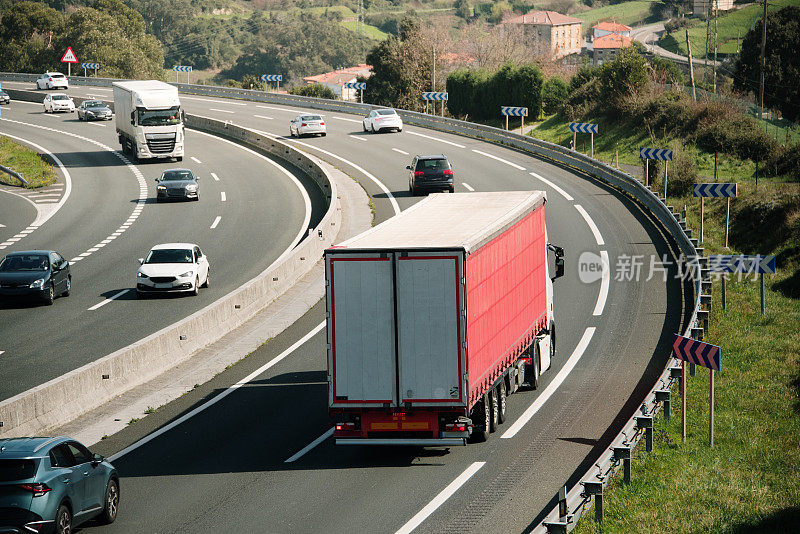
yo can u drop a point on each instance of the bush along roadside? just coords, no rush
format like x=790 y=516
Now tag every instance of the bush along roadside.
x=36 y=171
x=748 y=481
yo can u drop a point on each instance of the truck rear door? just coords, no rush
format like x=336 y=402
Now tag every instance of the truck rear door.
x=361 y=329
x=430 y=328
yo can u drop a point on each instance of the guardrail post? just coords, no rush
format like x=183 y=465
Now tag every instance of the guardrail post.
x=624 y=454
x=677 y=372
x=556 y=527
x=595 y=488
x=662 y=396
x=562 y=503
x=646 y=422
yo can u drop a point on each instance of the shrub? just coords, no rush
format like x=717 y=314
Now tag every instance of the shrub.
x=316 y=90
x=682 y=172
x=554 y=94
x=625 y=75
x=676 y=24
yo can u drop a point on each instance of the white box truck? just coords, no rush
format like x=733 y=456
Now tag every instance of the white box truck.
x=149 y=119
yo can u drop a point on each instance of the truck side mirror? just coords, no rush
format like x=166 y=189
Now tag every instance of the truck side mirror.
x=133 y=118
x=559 y=253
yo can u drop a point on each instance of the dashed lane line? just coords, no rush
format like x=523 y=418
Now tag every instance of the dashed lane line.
x=436 y=139
x=497 y=158
x=196 y=160
x=216 y=222
x=469 y=187
x=554 y=186
x=401 y=151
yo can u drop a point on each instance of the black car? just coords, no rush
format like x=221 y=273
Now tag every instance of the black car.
x=430 y=173
x=90 y=110
x=4 y=98
x=177 y=184
x=43 y=274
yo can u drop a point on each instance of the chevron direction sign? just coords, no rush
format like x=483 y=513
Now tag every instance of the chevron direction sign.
x=182 y=68
x=511 y=111
x=355 y=85
x=740 y=263
x=697 y=352
x=661 y=154
x=94 y=66
x=582 y=127
x=272 y=77
x=716 y=190
x=434 y=96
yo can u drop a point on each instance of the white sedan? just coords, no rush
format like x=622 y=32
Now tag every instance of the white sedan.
x=173 y=267
x=52 y=80
x=307 y=125
x=382 y=119
x=58 y=102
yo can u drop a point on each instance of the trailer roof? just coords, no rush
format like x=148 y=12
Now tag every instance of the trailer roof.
x=145 y=85
x=450 y=220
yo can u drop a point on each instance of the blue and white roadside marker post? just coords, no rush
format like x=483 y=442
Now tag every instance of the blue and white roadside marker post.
x=660 y=154
x=94 y=66
x=740 y=263
x=272 y=78
x=582 y=127
x=182 y=68
x=435 y=97
x=715 y=191
x=360 y=86
x=511 y=111
x=703 y=354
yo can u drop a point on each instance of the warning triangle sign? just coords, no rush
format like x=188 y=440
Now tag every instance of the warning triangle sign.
x=69 y=56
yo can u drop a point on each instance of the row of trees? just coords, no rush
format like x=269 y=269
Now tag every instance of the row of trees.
x=479 y=93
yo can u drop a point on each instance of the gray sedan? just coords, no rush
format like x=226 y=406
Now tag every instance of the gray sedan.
x=177 y=184
x=90 y=110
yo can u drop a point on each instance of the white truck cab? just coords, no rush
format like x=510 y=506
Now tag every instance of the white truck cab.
x=149 y=119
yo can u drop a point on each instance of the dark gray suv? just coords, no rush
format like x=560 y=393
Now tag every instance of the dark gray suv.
x=430 y=173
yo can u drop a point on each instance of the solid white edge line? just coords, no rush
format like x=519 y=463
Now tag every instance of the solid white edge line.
x=403 y=152
x=553 y=386
x=469 y=187
x=436 y=139
x=215 y=177
x=437 y=501
x=216 y=222
x=109 y=299
x=195 y=160
x=554 y=186
x=356 y=137
x=592 y=225
x=222 y=197
x=348 y=120
x=219 y=397
x=263 y=117
x=497 y=158
x=383 y=188
x=222 y=110
x=605 y=281
x=299 y=454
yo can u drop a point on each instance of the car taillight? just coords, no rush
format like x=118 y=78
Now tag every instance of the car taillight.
x=455 y=427
x=448 y=172
x=419 y=173
x=36 y=488
x=303 y=125
x=50 y=79
x=378 y=119
x=346 y=426
x=322 y=124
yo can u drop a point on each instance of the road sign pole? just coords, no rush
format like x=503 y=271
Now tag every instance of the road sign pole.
x=95 y=72
x=683 y=400
x=592 y=142
x=666 y=164
x=84 y=72
x=647 y=173
x=727 y=218
x=361 y=96
x=176 y=75
x=522 y=128
x=702 y=215
x=574 y=140
x=69 y=69
x=711 y=410
x=763 y=308
x=506 y=122
x=724 y=299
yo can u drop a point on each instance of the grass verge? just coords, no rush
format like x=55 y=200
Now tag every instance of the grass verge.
x=22 y=159
x=628 y=13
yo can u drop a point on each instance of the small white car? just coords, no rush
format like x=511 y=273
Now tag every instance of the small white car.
x=52 y=80
x=171 y=268
x=58 y=102
x=307 y=125
x=382 y=119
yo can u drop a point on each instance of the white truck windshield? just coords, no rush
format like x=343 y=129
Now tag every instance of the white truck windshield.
x=161 y=117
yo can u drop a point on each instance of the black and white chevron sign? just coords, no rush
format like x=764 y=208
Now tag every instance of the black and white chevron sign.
x=661 y=154
x=182 y=68
x=434 y=96
x=514 y=111
x=716 y=190
x=582 y=127
x=355 y=85
x=740 y=263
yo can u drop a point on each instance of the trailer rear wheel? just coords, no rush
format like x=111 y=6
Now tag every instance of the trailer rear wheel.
x=481 y=418
x=494 y=410
x=501 y=401
x=533 y=371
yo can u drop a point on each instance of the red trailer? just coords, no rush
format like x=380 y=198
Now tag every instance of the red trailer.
x=436 y=315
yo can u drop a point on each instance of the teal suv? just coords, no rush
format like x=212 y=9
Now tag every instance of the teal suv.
x=53 y=485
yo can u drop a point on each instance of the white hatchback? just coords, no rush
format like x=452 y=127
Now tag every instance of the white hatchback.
x=173 y=267
x=52 y=80
x=307 y=125
x=382 y=119
x=58 y=102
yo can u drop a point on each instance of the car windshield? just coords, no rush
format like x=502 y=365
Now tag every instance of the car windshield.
x=13 y=469
x=432 y=165
x=93 y=104
x=25 y=262
x=177 y=175
x=169 y=255
x=162 y=117
x=310 y=118
x=60 y=97
x=386 y=112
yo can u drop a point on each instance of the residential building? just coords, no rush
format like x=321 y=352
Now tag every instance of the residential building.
x=607 y=47
x=556 y=34
x=700 y=7
x=336 y=79
x=604 y=28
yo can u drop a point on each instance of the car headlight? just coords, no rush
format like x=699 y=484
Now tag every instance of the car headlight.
x=161 y=188
x=191 y=187
x=90 y=113
x=141 y=275
x=187 y=274
x=38 y=284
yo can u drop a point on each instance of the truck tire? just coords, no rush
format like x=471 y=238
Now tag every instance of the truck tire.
x=501 y=401
x=552 y=342
x=481 y=420
x=494 y=421
x=532 y=372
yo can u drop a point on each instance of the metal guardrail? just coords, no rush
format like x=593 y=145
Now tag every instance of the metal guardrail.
x=593 y=482
x=15 y=174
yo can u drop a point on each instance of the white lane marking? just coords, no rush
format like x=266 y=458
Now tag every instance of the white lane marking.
x=263 y=117
x=195 y=160
x=469 y=187
x=501 y=160
x=437 y=501
x=103 y=90
x=553 y=386
x=47 y=201
x=592 y=225
x=13 y=240
x=216 y=221
x=3 y=226
x=109 y=299
x=348 y=120
x=436 y=139
x=358 y=168
x=2 y=352
x=215 y=177
x=292 y=177
x=252 y=376
x=299 y=454
x=222 y=110
x=97 y=124
x=401 y=151
x=288 y=110
x=96 y=95
x=359 y=138
x=222 y=196
x=40 y=195
x=554 y=186
x=214 y=101
x=605 y=281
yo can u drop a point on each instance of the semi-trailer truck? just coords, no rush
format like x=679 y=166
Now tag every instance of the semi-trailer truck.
x=149 y=119
x=436 y=315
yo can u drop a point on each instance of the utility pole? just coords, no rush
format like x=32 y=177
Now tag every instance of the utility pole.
x=714 y=70
x=691 y=66
x=763 y=48
x=433 y=79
